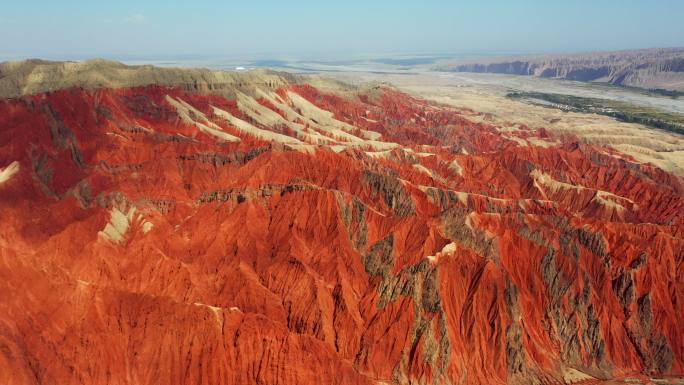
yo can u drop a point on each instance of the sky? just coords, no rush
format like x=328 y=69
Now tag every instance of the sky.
x=121 y=29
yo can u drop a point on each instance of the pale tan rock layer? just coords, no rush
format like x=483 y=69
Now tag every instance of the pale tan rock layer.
x=29 y=77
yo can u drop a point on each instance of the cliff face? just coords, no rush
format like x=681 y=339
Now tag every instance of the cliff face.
x=659 y=68
x=288 y=235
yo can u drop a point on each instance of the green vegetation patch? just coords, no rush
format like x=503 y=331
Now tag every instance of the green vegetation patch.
x=622 y=111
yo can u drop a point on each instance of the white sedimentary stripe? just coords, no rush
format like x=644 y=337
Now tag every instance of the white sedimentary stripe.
x=250 y=129
x=9 y=171
x=120 y=222
x=205 y=125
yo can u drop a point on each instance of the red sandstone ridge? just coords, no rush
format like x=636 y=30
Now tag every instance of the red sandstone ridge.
x=280 y=234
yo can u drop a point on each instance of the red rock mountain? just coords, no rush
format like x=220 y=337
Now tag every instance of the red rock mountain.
x=275 y=232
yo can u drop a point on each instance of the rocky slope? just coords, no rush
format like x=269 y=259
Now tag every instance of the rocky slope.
x=278 y=233
x=35 y=76
x=652 y=69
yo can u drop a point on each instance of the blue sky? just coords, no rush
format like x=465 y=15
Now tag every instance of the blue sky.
x=172 y=28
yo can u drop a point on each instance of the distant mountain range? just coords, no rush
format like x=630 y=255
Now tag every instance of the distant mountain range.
x=661 y=68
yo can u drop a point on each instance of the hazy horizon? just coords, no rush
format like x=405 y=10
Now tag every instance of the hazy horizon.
x=304 y=29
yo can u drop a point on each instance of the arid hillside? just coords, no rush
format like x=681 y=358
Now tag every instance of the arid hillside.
x=293 y=230
x=661 y=68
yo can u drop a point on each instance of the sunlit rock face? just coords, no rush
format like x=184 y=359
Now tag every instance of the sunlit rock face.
x=282 y=234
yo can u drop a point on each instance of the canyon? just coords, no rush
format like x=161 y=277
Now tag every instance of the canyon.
x=180 y=226
x=658 y=69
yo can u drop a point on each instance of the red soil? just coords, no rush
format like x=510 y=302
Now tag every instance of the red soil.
x=268 y=265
